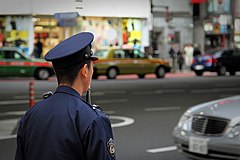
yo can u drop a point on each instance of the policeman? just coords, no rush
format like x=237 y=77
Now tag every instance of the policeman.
x=64 y=126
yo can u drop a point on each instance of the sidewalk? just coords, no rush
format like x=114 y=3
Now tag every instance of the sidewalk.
x=183 y=73
x=187 y=72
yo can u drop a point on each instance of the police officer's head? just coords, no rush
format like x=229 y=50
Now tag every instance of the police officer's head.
x=72 y=58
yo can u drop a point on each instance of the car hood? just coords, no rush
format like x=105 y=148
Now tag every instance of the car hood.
x=204 y=57
x=228 y=108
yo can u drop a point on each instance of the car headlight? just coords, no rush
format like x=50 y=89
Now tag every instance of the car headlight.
x=185 y=120
x=234 y=131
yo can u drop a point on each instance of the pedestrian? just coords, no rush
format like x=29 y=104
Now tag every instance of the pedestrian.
x=65 y=126
x=196 y=52
x=38 y=48
x=173 y=55
x=180 y=59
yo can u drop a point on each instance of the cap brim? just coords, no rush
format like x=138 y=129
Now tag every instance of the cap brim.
x=93 y=58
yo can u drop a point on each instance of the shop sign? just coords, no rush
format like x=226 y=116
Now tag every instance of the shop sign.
x=66 y=15
x=66 y=19
x=219 y=6
x=237 y=8
x=236 y=38
x=198 y=1
x=67 y=22
x=237 y=26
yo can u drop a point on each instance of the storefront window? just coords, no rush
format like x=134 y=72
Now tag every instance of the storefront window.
x=112 y=31
x=219 y=6
x=46 y=32
x=237 y=32
x=131 y=32
x=14 y=31
x=217 y=24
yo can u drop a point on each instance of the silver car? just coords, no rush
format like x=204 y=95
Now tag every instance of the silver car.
x=210 y=130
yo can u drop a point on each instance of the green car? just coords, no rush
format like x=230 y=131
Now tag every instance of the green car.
x=119 y=61
x=13 y=63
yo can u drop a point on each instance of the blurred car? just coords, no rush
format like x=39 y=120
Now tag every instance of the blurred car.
x=210 y=130
x=13 y=63
x=219 y=61
x=119 y=61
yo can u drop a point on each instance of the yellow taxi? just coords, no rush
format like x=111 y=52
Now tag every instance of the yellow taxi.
x=120 y=61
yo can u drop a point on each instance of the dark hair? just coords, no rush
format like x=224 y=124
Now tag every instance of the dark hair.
x=69 y=74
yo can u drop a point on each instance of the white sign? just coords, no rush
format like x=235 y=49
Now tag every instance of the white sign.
x=237 y=26
x=198 y=145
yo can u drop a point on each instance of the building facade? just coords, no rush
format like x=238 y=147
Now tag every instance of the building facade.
x=237 y=24
x=113 y=22
x=216 y=24
x=172 y=25
x=158 y=24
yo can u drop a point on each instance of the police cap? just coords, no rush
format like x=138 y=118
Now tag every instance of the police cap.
x=73 y=50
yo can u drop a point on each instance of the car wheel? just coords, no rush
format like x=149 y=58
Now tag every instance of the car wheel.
x=141 y=75
x=199 y=73
x=42 y=74
x=221 y=70
x=160 y=72
x=112 y=73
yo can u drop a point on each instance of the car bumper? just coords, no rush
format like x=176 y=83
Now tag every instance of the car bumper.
x=217 y=149
x=202 y=68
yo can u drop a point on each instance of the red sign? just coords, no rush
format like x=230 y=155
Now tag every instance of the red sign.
x=198 y=1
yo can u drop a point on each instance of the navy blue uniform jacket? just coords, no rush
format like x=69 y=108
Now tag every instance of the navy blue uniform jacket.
x=64 y=127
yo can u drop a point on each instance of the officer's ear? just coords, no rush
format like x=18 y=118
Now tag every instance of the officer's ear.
x=84 y=71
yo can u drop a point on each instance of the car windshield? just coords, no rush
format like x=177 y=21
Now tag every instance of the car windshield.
x=101 y=53
x=213 y=51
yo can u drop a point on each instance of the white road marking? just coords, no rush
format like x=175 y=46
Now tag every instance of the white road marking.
x=228 y=89
x=8 y=137
x=13 y=113
x=159 y=91
x=37 y=100
x=7 y=126
x=143 y=92
x=109 y=112
x=21 y=97
x=125 y=121
x=112 y=101
x=153 y=109
x=204 y=91
x=17 y=102
x=116 y=92
x=164 y=149
x=171 y=91
x=24 y=97
x=97 y=93
x=14 y=102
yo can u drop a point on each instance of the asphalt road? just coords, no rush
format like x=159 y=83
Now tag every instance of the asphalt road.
x=143 y=112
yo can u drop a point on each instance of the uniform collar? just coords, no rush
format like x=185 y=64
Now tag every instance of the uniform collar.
x=68 y=90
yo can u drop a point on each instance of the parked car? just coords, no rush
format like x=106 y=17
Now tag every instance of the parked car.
x=210 y=130
x=13 y=63
x=119 y=61
x=219 y=61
